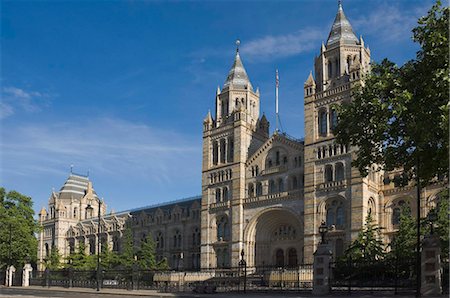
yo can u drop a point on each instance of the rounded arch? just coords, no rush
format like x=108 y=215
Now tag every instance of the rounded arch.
x=259 y=233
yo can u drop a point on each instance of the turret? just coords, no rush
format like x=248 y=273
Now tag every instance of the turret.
x=310 y=85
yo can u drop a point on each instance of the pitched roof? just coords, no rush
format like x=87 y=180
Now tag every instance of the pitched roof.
x=237 y=76
x=341 y=31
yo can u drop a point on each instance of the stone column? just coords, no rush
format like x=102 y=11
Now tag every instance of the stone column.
x=10 y=275
x=26 y=274
x=431 y=266
x=321 y=267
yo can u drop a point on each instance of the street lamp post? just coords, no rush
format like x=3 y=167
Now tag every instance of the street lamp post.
x=323 y=229
x=243 y=264
x=90 y=208
x=431 y=218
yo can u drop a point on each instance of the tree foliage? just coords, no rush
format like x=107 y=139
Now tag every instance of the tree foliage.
x=368 y=246
x=53 y=261
x=80 y=260
x=18 y=224
x=403 y=245
x=399 y=116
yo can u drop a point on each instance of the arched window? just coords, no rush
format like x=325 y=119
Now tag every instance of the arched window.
x=328 y=173
x=160 y=241
x=398 y=207
x=323 y=123
x=271 y=187
x=251 y=190
x=333 y=118
x=277 y=158
x=279 y=258
x=215 y=153
x=225 y=194
x=339 y=170
x=335 y=214
x=116 y=243
x=92 y=246
x=280 y=185
x=258 y=189
x=75 y=212
x=292 y=257
x=230 y=150
x=218 y=195
x=222 y=150
x=294 y=182
x=396 y=216
x=223 y=232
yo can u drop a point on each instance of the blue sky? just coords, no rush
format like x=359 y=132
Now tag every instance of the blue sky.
x=120 y=88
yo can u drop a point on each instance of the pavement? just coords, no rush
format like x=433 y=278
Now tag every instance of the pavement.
x=40 y=292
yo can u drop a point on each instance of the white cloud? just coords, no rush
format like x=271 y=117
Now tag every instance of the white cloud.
x=276 y=46
x=103 y=145
x=16 y=99
x=389 y=23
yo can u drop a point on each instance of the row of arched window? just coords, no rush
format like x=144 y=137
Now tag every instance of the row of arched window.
x=220 y=176
x=335 y=214
x=331 y=150
x=274 y=186
x=177 y=239
x=336 y=174
x=223 y=151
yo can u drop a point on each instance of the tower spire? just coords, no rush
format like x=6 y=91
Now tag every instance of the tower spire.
x=238 y=42
x=237 y=76
x=341 y=31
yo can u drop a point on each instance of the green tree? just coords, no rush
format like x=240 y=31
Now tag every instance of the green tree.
x=53 y=262
x=109 y=259
x=127 y=256
x=399 y=117
x=368 y=245
x=441 y=223
x=146 y=255
x=18 y=224
x=403 y=245
x=80 y=260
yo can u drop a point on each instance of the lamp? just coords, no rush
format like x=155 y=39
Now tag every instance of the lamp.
x=323 y=229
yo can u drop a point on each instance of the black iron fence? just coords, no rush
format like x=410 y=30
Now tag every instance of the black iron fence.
x=205 y=281
x=395 y=275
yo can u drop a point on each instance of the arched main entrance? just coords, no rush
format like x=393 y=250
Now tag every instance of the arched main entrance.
x=274 y=238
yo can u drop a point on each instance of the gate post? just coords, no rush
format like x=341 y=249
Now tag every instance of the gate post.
x=10 y=275
x=321 y=270
x=26 y=274
x=431 y=266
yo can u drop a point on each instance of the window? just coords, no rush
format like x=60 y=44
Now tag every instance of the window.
x=279 y=258
x=251 y=190
x=292 y=257
x=230 y=150
x=323 y=123
x=222 y=150
x=333 y=118
x=335 y=214
x=396 y=216
x=160 y=241
x=218 y=195
x=258 y=189
x=271 y=187
x=277 y=159
x=339 y=169
x=223 y=232
x=215 y=153
x=280 y=185
x=294 y=182
x=225 y=194
x=328 y=173
x=330 y=70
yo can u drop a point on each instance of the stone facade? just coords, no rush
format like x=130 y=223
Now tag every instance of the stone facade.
x=262 y=194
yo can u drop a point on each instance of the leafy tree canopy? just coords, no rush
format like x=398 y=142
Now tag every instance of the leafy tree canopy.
x=399 y=116
x=18 y=225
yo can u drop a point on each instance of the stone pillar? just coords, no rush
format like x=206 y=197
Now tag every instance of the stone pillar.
x=10 y=275
x=431 y=266
x=26 y=274
x=321 y=267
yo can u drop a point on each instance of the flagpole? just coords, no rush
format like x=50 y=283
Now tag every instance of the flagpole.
x=276 y=99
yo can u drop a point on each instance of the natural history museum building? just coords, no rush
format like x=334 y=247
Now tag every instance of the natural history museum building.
x=263 y=194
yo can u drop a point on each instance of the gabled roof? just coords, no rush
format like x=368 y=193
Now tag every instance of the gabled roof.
x=276 y=137
x=341 y=31
x=237 y=76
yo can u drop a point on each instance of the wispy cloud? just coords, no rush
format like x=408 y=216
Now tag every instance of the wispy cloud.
x=390 y=23
x=104 y=145
x=279 y=46
x=16 y=99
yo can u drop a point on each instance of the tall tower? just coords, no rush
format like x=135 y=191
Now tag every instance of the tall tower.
x=228 y=139
x=334 y=191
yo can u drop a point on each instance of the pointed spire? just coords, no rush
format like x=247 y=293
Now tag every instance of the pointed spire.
x=341 y=31
x=208 y=118
x=237 y=76
x=218 y=90
x=310 y=81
